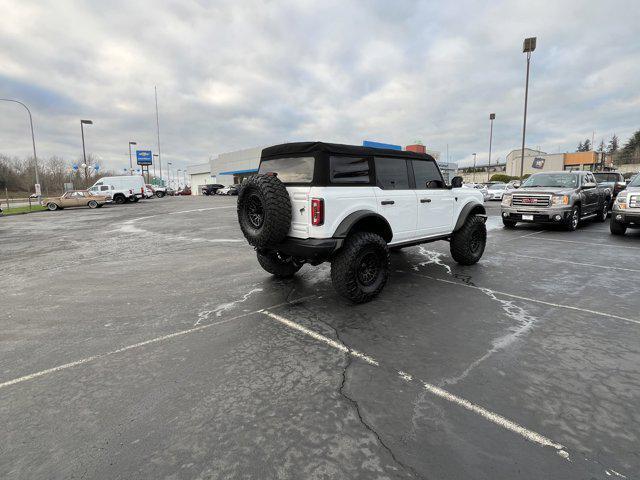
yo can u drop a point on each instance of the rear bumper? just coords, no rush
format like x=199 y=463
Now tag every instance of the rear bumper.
x=547 y=215
x=309 y=248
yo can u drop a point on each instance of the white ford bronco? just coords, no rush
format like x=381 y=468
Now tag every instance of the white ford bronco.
x=314 y=202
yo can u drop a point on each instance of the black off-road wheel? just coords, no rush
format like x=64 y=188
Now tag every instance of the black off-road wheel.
x=278 y=265
x=119 y=199
x=616 y=227
x=508 y=223
x=360 y=270
x=467 y=244
x=159 y=194
x=264 y=210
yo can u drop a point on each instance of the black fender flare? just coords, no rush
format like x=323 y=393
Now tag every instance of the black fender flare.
x=347 y=224
x=471 y=208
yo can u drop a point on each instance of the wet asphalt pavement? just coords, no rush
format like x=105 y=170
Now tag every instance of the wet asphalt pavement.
x=144 y=341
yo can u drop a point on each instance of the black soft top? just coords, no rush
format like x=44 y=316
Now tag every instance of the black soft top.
x=312 y=148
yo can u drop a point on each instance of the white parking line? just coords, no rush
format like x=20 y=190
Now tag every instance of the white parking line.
x=492 y=417
x=162 y=338
x=591 y=244
x=523 y=236
x=527 y=299
x=555 y=260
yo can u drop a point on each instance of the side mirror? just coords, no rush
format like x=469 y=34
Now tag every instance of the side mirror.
x=456 y=182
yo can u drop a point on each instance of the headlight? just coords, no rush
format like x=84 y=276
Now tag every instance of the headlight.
x=560 y=200
x=621 y=201
x=506 y=200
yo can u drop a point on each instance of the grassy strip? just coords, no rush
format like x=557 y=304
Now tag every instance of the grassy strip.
x=25 y=209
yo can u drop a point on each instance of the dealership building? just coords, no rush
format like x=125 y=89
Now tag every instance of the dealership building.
x=233 y=167
x=536 y=161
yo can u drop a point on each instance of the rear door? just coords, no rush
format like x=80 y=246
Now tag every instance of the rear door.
x=591 y=194
x=396 y=199
x=434 y=200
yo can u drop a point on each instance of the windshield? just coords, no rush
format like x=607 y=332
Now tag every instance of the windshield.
x=635 y=182
x=606 y=177
x=498 y=186
x=561 y=180
x=290 y=170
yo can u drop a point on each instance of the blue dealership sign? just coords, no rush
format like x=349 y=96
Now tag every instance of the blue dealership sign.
x=144 y=157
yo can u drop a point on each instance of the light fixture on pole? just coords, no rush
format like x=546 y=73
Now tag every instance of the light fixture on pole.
x=528 y=47
x=33 y=138
x=492 y=117
x=130 y=158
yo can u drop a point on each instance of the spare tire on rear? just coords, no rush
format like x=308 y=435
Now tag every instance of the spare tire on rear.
x=264 y=210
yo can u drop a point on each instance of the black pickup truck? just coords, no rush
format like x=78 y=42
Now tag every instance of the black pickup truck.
x=561 y=198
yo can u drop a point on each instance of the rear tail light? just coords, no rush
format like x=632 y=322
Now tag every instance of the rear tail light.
x=317 y=211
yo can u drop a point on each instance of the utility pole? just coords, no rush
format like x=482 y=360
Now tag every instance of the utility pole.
x=528 y=47
x=84 y=153
x=474 y=168
x=492 y=117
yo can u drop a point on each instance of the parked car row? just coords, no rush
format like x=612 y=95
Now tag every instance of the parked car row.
x=119 y=190
x=567 y=198
x=219 y=189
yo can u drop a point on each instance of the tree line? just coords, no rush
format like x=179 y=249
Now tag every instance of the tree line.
x=629 y=153
x=17 y=176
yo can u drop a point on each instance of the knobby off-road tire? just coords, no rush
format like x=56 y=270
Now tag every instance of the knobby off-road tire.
x=280 y=266
x=467 y=244
x=120 y=199
x=264 y=210
x=616 y=227
x=360 y=270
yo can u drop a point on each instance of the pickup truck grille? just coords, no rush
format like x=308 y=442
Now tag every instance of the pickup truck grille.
x=522 y=200
x=634 y=201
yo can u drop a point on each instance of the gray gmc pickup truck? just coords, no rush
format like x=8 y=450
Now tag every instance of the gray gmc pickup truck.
x=561 y=198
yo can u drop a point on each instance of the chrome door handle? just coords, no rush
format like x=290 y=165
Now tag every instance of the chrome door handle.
x=425 y=200
x=387 y=202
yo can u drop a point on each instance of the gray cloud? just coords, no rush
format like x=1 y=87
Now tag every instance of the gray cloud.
x=232 y=75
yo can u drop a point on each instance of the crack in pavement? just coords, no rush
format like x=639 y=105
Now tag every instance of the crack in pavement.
x=356 y=406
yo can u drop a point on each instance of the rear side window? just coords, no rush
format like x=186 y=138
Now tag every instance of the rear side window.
x=290 y=170
x=350 y=170
x=391 y=173
x=427 y=174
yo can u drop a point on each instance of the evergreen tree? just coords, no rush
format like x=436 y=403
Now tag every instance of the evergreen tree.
x=586 y=146
x=580 y=147
x=601 y=146
x=613 y=144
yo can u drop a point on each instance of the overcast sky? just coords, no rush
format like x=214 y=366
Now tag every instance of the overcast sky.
x=237 y=74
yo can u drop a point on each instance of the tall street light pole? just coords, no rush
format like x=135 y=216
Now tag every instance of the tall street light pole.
x=158 y=132
x=528 y=47
x=492 y=117
x=130 y=158
x=84 y=152
x=474 y=168
x=33 y=138
x=154 y=165
x=169 y=173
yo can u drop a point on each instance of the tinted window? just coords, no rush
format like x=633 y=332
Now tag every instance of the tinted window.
x=391 y=173
x=349 y=170
x=290 y=170
x=425 y=172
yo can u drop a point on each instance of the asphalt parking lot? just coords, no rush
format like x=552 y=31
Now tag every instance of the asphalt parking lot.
x=144 y=341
